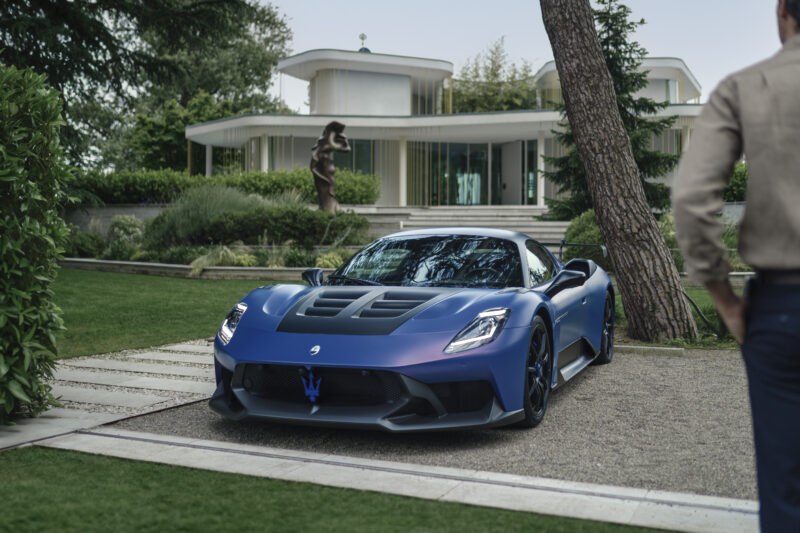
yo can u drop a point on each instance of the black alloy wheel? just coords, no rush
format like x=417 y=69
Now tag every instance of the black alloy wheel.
x=607 y=335
x=538 y=372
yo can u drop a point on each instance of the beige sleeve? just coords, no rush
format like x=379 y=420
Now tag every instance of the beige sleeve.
x=703 y=174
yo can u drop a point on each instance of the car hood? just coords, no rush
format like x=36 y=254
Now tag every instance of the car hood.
x=357 y=310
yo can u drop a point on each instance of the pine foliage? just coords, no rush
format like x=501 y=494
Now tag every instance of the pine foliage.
x=623 y=57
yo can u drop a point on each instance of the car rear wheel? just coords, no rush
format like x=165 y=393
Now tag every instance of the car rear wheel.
x=538 y=372
x=607 y=335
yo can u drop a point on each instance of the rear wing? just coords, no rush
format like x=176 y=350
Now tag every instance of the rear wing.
x=563 y=242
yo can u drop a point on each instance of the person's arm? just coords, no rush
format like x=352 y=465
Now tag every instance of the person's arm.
x=704 y=172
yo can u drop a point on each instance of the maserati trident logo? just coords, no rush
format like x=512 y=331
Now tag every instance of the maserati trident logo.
x=310 y=387
x=314 y=351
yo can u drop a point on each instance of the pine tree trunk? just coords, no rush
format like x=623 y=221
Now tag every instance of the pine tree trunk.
x=647 y=279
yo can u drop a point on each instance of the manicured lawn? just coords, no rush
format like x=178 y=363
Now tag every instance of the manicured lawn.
x=106 y=312
x=53 y=490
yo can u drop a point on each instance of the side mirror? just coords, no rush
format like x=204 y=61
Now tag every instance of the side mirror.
x=313 y=276
x=565 y=280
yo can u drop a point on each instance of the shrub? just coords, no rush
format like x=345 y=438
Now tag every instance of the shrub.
x=297 y=257
x=306 y=227
x=182 y=255
x=165 y=186
x=124 y=238
x=737 y=187
x=33 y=178
x=584 y=229
x=187 y=221
x=329 y=260
x=84 y=243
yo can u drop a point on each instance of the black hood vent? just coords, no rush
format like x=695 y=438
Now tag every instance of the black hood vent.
x=395 y=303
x=331 y=303
x=362 y=311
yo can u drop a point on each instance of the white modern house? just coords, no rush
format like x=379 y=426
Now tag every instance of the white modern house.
x=396 y=113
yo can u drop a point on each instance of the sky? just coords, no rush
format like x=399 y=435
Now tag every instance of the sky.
x=713 y=37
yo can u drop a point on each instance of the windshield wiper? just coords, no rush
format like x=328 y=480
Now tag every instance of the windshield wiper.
x=357 y=281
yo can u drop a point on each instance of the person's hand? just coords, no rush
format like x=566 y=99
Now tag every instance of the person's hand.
x=730 y=306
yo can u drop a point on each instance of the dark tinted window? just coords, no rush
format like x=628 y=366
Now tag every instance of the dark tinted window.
x=440 y=260
x=540 y=266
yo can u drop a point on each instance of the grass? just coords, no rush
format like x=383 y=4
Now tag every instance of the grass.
x=54 y=490
x=708 y=337
x=106 y=312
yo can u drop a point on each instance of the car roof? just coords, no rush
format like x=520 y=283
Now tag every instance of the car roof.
x=497 y=233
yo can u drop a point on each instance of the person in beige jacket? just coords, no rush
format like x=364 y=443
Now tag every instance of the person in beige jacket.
x=756 y=113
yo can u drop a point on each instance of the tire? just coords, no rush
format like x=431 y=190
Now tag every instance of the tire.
x=607 y=335
x=538 y=372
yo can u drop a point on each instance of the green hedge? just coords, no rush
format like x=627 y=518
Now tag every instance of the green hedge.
x=33 y=177
x=164 y=186
x=276 y=225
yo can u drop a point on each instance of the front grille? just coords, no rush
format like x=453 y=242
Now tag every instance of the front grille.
x=339 y=386
x=395 y=303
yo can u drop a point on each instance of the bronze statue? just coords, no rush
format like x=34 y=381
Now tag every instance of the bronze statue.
x=322 y=163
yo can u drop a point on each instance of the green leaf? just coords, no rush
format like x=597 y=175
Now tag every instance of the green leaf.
x=16 y=389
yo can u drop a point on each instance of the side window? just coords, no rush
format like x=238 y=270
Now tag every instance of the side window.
x=540 y=266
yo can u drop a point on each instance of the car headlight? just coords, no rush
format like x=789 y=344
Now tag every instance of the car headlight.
x=231 y=321
x=483 y=329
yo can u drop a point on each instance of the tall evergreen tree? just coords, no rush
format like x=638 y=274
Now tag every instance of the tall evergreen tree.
x=623 y=58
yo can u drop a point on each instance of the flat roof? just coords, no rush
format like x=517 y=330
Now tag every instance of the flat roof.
x=495 y=127
x=305 y=65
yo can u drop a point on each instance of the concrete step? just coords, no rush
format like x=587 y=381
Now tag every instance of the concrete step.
x=136 y=382
x=141 y=367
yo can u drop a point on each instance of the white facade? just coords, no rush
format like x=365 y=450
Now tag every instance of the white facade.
x=395 y=110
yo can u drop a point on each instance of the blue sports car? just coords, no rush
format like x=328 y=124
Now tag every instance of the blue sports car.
x=421 y=330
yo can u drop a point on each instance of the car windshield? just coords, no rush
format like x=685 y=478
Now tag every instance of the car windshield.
x=436 y=260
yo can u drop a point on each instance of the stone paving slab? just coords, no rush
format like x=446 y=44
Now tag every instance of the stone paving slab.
x=54 y=422
x=638 y=507
x=106 y=397
x=140 y=367
x=126 y=380
x=189 y=348
x=173 y=357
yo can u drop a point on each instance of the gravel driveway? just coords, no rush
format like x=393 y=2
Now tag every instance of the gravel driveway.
x=671 y=422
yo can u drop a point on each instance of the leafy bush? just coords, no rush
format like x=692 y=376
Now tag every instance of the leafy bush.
x=584 y=229
x=165 y=186
x=236 y=255
x=124 y=238
x=737 y=187
x=181 y=255
x=187 y=221
x=136 y=187
x=297 y=257
x=84 y=243
x=306 y=227
x=329 y=260
x=33 y=178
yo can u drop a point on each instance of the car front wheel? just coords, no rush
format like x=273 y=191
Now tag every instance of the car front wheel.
x=538 y=372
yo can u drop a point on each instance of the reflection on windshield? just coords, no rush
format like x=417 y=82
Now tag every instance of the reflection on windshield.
x=440 y=260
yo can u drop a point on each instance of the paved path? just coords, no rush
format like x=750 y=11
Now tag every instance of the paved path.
x=104 y=388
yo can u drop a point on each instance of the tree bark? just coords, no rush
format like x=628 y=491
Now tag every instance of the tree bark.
x=647 y=279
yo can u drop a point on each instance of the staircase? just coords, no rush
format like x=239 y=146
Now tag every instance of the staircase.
x=386 y=220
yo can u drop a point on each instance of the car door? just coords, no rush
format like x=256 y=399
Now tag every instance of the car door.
x=569 y=304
